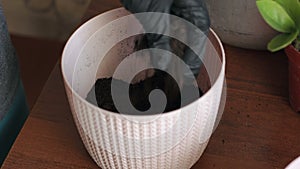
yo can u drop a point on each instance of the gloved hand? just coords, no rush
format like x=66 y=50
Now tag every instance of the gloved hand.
x=193 y=11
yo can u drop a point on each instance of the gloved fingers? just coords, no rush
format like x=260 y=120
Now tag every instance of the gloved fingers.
x=157 y=25
x=162 y=61
x=153 y=22
x=193 y=57
x=142 y=43
x=194 y=11
x=193 y=61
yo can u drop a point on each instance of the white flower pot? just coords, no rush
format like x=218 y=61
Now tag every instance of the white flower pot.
x=174 y=139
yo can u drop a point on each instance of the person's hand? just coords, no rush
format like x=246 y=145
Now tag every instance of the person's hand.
x=193 y=11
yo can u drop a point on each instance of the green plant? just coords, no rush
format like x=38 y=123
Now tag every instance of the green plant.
x=283 y=16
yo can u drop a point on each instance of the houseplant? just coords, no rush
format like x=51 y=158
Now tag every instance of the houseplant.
x=284 y=16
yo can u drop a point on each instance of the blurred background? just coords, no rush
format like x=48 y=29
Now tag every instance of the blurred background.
x=39 y=30
x=54 y=19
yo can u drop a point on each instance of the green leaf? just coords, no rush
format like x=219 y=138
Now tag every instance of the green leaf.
x=281 y=41
x=293 y=9
x=276 y=16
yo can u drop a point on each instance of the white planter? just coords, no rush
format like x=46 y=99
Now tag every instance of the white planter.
x=294 y=164
x=239 y=23
x=175 y=139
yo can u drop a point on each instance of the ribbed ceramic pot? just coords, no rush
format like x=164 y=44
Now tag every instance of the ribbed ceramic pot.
x=174 y=139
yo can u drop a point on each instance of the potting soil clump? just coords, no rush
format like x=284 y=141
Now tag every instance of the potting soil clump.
x=101 y=95
x=139 y=93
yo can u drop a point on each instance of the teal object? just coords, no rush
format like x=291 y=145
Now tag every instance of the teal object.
x=12 y=122
x=13 y=106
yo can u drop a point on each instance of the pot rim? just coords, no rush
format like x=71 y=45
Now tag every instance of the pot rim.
x=73 y=92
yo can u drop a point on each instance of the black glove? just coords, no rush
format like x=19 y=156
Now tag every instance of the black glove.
x=194 y=11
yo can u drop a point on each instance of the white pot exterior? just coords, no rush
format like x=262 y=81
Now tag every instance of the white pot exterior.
x=117 y=141
x=239 y=23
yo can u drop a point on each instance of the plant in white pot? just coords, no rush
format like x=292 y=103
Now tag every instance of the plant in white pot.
x=284 y=16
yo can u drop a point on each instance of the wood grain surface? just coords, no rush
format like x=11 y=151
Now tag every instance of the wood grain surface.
x=258 y=128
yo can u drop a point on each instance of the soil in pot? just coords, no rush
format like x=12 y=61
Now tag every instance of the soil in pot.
x=101 y=96
x=139 y=92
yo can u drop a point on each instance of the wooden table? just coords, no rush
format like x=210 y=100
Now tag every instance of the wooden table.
x=258 y=128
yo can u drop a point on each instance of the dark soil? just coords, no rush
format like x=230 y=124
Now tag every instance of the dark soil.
x=139 y=93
